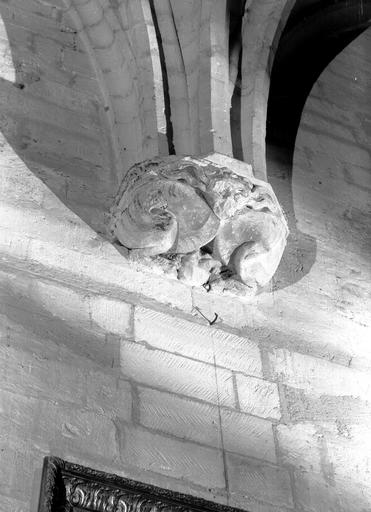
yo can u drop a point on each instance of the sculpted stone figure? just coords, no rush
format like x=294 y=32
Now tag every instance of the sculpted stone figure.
x=216 y=223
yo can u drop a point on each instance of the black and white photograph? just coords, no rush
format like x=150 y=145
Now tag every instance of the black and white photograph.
x=185 y=255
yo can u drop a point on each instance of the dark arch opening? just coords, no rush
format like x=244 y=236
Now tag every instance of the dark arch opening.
x=316 y=31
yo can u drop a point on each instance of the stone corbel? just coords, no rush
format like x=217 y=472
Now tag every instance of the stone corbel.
x=219 y=226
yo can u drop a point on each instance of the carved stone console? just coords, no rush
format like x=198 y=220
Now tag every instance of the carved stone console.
x=218 y=225
x=68 y=487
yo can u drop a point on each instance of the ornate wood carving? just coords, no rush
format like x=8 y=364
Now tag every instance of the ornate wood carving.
x=68 y=487
x=214 y=224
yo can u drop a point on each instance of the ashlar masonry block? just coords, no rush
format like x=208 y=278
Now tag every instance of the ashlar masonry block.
x=247 y=435
x=27 y=373
x=66 y=306
x=109 y=395
x=197 y=341
x=258 y=397
x=180 y=375
x=180 y=417
x=258 y=486
x=299 y=446
x=174 y=458
x=51 y=427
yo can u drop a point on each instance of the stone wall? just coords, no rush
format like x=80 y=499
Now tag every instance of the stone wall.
x=109 y=365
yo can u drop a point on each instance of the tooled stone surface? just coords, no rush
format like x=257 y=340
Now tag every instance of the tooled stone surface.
x=215 y=225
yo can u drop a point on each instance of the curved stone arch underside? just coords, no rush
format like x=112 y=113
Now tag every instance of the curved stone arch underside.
x=110 y=31
x=133 y=45
x=262 y=27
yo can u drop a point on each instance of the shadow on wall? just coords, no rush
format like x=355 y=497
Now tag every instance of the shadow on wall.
x=52 y=319
x=52 y=116
x=301 y=249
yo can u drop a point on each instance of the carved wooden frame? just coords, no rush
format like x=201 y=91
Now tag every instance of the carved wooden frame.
x=69 y=487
